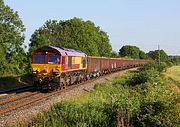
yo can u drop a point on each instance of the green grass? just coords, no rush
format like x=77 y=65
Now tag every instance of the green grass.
x=174 y=73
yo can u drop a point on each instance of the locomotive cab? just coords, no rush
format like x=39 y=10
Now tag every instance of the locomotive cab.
x=46 y=62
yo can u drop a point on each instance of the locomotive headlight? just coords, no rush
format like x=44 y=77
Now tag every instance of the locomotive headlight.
x=56 y=72
x=35 y=72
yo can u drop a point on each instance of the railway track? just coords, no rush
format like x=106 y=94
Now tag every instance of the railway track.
x=27 y=99
x=16 y=98
x=16 y=103
x=17 y=90
x=5 y=94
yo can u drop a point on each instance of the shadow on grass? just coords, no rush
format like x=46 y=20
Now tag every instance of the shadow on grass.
x=10 y=82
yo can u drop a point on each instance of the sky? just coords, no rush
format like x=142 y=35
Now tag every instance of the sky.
x=143 y=23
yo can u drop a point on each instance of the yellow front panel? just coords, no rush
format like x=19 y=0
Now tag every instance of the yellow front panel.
x=46 y=69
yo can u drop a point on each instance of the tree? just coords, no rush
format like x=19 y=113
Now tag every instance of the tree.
x=158 y=54
x=142 y=55
x=174 y=60
x=132 y=52
x=2 y=60
x=104 y=46
x=74 y=33
x=11 y=41
x=129 y=51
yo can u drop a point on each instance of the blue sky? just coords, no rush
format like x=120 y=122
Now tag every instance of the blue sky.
x=144 y=23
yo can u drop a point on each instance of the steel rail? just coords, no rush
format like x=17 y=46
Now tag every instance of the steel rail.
x=11 y=92
x=17 y=98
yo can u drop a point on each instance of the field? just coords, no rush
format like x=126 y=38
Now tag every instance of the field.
x=174 y=73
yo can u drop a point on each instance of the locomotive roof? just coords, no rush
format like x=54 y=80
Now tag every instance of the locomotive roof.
x=63 y=51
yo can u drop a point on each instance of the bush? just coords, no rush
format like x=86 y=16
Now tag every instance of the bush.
x=142 y=77
x=158 y=105
x=155 y=66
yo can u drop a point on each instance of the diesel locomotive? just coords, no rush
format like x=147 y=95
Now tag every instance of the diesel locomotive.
x=57 y=67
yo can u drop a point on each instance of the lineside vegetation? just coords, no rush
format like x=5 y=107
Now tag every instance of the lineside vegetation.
x=142 y=99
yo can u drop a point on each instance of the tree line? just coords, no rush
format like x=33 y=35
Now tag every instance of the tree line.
x=73 y=33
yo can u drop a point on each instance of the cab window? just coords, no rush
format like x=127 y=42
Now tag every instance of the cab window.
x=53 y=59
x=39 y=58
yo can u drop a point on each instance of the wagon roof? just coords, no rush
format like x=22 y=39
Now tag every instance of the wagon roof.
x=119 y=58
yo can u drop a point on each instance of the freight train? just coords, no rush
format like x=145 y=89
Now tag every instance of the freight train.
x=56 y=67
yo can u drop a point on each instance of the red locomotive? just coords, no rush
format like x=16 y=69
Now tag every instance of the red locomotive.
x=55 y=67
